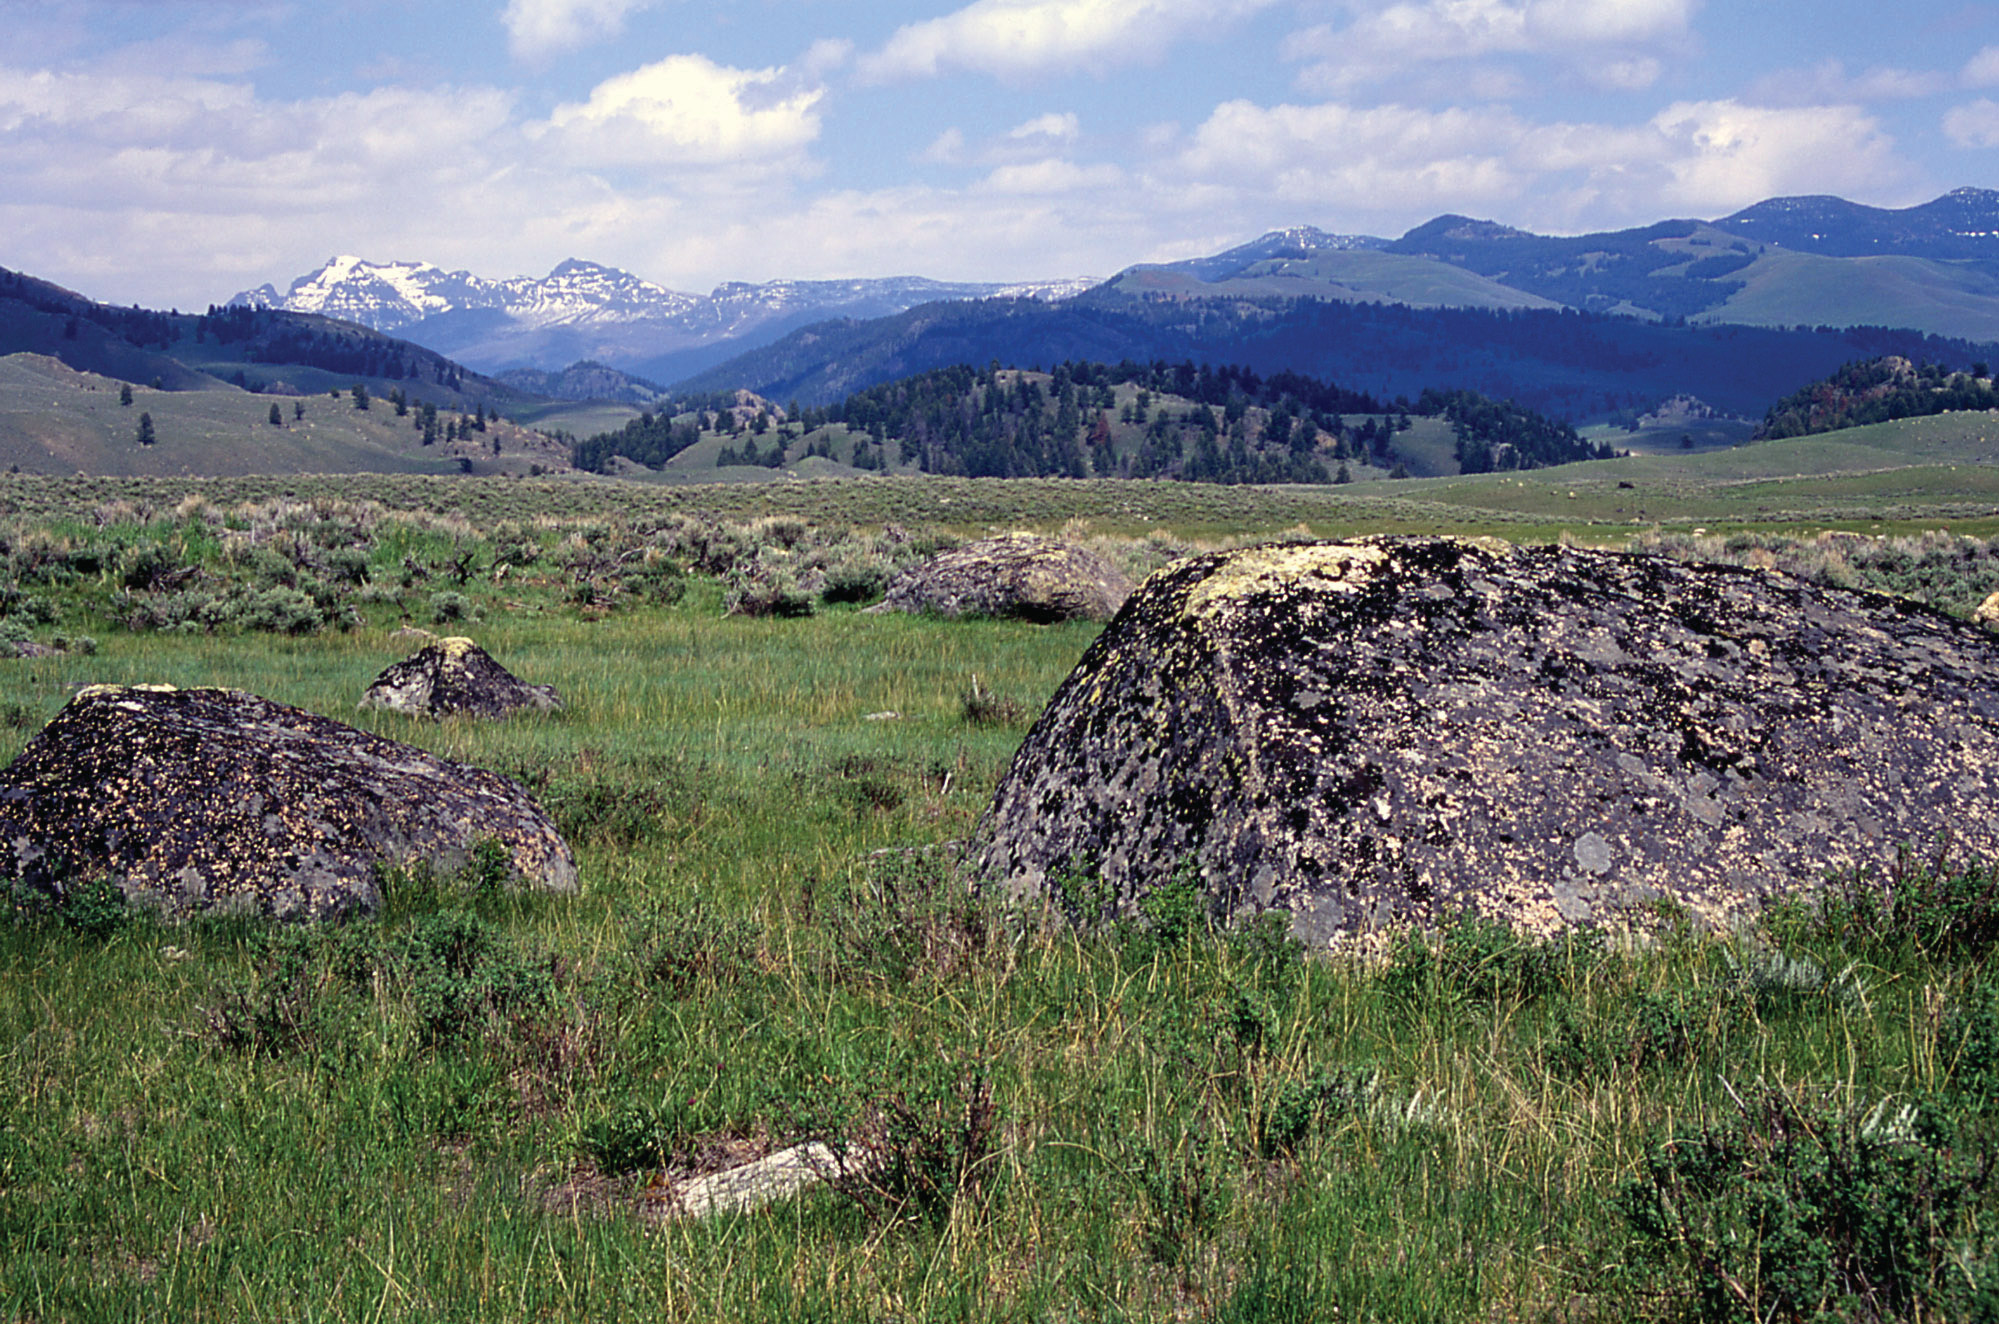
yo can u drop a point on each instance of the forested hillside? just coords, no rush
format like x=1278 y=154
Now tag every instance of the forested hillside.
x=1186 y=421
x=1876 y=392
x=1582 y=367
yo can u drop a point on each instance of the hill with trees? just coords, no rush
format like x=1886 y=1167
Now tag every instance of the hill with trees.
x=92 y=387
x=1185 y=421
x=1879 y=391
x=1577 y=366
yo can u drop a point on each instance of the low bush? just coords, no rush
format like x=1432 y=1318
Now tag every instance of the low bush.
x=1922 y=907
x=1804 y=1207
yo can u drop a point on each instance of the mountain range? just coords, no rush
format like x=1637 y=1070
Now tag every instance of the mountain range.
x=584 y=311
x=1785 y=262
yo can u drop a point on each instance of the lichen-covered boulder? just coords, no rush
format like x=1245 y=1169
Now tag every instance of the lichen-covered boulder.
x=1017 y=576
x=205 y=799
x=1398 y=729
x=452 y=678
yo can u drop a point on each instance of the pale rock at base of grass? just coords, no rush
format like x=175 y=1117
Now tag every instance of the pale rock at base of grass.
x=1390 y=731
x=1987 y=614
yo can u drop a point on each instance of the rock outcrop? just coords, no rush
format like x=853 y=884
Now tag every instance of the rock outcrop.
x=1987 y=614
x=1017 y=576
x=452 y=678
x=207 y=799
x=1395 y=730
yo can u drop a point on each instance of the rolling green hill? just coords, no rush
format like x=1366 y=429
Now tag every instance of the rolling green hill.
x=1783 y=288
x=1362 y=276
x=209 y=383
x=54 y=419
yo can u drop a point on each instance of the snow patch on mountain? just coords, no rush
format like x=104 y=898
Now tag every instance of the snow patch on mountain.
x=600 y=311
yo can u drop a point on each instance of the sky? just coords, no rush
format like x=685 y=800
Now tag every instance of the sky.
x=172 y=152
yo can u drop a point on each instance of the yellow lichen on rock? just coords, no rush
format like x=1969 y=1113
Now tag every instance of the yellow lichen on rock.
x=110 y=690
x=1336 y=567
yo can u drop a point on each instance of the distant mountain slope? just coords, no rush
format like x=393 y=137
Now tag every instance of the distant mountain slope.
x=1784 y=262
x=1301 y=242
x=1565 y=364
x=1349 y=276
x=210 y=384
x=583 y=310
x=584 y=381
x=1962 y=225
x=54 y=419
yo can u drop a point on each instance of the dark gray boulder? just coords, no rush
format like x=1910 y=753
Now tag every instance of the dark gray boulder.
x=1398 y=729
x=207 y=799
x=1016 y=576
x=455 y=678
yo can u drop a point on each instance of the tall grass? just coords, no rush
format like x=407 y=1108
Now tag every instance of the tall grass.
x=475 y=1104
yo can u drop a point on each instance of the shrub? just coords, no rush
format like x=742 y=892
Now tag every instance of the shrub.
x=1801 y=1208
x=771 y=584
x=981 y=707
x=1642 y=1030
x=1933 y=907
x=447 y=607
x=855 y=578
x=632 y=1137
x=931 y=1138
x=1301 y=1107
x=1477 y=959
x=93 y=908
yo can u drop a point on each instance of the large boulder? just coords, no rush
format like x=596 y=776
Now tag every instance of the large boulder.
x=1394 y=730
x=455 y=678
x=1018 y=576
x=214 y=799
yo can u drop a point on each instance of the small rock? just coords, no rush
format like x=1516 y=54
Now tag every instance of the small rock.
x=1018 y=576
x=776 y=1177
x=455 y=677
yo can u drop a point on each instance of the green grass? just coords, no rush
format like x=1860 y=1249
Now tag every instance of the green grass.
x=56 y=421
x=467 y=1107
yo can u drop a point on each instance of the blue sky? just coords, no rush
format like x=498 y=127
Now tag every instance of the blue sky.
x=172 y=152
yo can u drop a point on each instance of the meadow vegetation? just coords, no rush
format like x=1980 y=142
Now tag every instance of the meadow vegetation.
x=473 y=1105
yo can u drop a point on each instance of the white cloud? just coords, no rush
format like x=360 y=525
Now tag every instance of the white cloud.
x=1386 y=40
x=947 y=148
x=1052 y=176
x=539 y=28
x=688 y=110
x=1722 y=155
x=1025 y=38
x=1982 y=69
x=1402 y=162
x=1975 y=125
x=1061 y=127
x=1633 y=75
x=1829 y=82
x=1556 y=23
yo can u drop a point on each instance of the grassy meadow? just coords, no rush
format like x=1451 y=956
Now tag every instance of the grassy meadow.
x=475 y=1105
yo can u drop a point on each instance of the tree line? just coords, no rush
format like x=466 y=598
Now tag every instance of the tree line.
x=1186 y=421
x=1877 y=391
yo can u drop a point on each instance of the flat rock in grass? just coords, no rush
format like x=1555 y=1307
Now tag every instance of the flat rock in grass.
x=208 y=799
x=1392 y=730
x=455 y=678
x=1018 y=576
